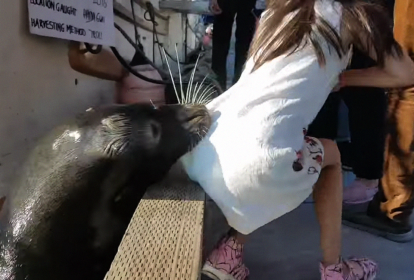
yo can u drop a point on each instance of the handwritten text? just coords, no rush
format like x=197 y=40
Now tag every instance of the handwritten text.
x=100 y=3
x=92 y=16
x=47 y=24
x=58 y=7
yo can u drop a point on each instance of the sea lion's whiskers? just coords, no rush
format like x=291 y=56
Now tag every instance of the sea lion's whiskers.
x=199 y=135
x=179 y=74
x=198 y=94
x=153 y=105
x=196 y=91
x=191 y=146
x=207 y=92
x=171 y=75
x=201 y=84
x=193 y=100
x=205 y=100
x=191 y=80
x=207 y=89
x=205 y=97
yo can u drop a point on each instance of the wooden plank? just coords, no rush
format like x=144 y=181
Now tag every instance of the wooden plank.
x=164 y=237
x=188 y=7
x=126 y=14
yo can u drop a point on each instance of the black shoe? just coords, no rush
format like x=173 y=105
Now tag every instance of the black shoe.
x=379 y=225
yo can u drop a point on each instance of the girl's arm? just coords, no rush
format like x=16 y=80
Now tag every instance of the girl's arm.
x=397 y=69
x=397 y=72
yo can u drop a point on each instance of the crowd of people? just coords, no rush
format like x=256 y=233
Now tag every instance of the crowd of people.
x=302 y=41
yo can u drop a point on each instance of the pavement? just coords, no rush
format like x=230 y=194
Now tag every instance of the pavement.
x=288 y=248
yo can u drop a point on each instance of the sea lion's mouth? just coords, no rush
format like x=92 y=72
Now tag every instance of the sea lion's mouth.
x=199 y=116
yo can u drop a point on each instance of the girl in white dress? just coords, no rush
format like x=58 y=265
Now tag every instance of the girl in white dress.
x=255 y=162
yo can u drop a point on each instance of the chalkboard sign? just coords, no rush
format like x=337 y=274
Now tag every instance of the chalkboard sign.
x=89 y=21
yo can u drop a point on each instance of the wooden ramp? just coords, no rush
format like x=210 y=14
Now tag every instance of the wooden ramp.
x=164 y=237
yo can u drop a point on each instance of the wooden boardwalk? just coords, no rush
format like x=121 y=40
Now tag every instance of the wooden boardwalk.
x=164 y=238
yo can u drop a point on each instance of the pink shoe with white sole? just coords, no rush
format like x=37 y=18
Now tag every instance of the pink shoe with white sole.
x=351 y=269
x=225 y=262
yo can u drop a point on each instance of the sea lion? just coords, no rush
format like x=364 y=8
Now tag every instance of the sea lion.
x=82 y=183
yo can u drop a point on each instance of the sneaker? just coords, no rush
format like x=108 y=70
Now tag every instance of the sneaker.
x=226 y=261
x=351 y=269
x=358 y=192
x=379 y=225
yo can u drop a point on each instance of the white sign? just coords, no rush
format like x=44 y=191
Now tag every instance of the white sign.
x=89 y=21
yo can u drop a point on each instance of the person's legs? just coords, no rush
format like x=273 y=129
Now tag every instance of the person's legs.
x=367 y=112
x=388 y=213
x=245 y=28
x=398 y=182
x=223 y=24
x=325 y=125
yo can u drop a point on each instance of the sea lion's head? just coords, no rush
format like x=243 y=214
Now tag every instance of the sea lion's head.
x=172 y=130
x=179 y=128
x=147 y=131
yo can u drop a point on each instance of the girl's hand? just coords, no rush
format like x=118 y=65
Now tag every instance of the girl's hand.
x=215 y=8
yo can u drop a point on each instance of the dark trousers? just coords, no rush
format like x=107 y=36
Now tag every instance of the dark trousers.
x=367 y=112
x=245 y=28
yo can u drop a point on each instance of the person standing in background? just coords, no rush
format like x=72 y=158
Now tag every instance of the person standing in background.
x=367 y=109
x=258 y=10
x=388 y=214
x=367 y=112
x=225 y=12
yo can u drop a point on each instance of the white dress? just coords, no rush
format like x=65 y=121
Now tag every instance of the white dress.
x=255 y=162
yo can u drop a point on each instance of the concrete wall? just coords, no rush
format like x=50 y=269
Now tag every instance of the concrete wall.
x=39 y=90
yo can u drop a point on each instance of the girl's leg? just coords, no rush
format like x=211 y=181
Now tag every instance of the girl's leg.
x=328 y=203
x=328 y=206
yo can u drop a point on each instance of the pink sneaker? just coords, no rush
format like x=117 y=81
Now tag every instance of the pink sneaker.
x=225 y=262
x=351 y=269
x=358 y=192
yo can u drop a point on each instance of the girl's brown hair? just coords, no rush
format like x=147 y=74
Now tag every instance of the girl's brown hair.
x=289 y=25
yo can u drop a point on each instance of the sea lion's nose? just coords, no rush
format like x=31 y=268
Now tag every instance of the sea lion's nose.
x=194 y=111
